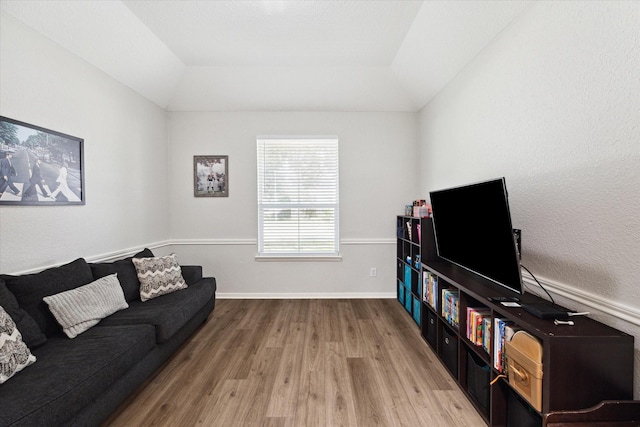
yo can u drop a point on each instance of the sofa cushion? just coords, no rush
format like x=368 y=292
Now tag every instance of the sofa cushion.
x=71 y=374
x=31 y=333
x=14 y=353
x=126 y=273
x=191 y=273
x=167 y=313
x=158 y=276
x=79 y=309
x=29 y=290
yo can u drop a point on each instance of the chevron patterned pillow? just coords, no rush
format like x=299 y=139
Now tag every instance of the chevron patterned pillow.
x=14 y=353
x=158 y=276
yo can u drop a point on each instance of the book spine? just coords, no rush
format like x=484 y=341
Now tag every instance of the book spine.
x=486 y=336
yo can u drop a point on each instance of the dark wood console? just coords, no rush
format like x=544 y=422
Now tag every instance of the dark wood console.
x=582 y=364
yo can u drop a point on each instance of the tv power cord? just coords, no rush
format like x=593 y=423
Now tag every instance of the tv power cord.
x=539 y=284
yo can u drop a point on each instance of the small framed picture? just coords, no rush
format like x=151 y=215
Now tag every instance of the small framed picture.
x=211 y=176
x=39 y=166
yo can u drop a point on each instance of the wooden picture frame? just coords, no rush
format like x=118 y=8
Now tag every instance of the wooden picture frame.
x=40 y=166
x=211 y=176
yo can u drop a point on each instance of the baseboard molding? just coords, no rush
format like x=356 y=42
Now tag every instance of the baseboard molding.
x=579 y=296
x=241 y=242
x=586 y=299
x=311 y=295
x=114 y=256
x=213 y=242
x=361 y=242
x=105 y=257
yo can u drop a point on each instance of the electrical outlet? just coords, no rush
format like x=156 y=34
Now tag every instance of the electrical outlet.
x=374 y=272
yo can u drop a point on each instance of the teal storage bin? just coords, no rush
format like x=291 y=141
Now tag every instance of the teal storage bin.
x=400 y=292
x=407 y=299
x=407 y=276
x=416 y=310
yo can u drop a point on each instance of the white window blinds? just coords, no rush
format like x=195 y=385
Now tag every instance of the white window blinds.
x=298 y=196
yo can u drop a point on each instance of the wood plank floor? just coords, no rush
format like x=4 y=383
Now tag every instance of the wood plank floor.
x=302 y=363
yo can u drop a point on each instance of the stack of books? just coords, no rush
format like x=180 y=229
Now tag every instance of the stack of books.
x=450 y=304
x=479 y=326
x=430 y=289
x=503 y=331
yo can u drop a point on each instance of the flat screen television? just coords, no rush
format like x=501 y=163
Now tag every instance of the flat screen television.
x=472 y=227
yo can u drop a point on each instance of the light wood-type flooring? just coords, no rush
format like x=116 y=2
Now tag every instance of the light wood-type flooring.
x=302 y=363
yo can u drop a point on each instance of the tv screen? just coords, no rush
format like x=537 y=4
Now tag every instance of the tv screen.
x=472 y=227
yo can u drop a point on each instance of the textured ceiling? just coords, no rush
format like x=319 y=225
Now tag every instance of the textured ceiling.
x=261 y=55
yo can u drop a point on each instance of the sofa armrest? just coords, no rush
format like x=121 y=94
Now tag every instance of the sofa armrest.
x=212 y=283
x=191 y=273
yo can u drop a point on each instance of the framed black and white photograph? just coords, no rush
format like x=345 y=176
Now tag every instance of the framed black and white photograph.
x=39 y=166
x=211 y=176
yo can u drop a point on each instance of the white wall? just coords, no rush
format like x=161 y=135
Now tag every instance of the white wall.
x=139 y=193
x=553 y=104
x=125 y=156
x=377 y=178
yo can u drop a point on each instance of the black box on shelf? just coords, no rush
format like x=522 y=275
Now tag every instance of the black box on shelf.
x=478 y=377
x=450 y=351
x=519 y=413
x=431 y=328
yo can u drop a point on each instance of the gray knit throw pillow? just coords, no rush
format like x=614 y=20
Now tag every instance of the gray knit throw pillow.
x=79 y=309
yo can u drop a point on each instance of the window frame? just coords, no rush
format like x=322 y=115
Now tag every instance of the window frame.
x=298 y=256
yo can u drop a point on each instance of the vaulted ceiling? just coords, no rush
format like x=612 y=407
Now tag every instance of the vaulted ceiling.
x=274 y=55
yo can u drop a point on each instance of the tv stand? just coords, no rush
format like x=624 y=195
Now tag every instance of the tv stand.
x=583 y=364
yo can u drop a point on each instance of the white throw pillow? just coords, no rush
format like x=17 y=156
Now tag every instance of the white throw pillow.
x=79 y=309
x=158 y=276
x=14 y=353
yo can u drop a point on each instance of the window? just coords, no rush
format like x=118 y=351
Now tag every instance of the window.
x=298 y=197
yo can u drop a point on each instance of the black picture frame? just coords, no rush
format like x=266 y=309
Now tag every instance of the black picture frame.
x=211 y=176
x=45 y=166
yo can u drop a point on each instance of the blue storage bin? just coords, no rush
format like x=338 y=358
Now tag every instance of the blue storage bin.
x=407 y=299
x=416 y=310
x=407 y=276
x=400 y=292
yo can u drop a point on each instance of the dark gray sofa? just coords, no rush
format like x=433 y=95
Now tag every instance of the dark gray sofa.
x=81 y=381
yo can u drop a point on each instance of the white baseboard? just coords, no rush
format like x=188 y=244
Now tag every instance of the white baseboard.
x=584 y=298
x=254 y=242
x=345 y=295
x=114 y=256
x=105 y=257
